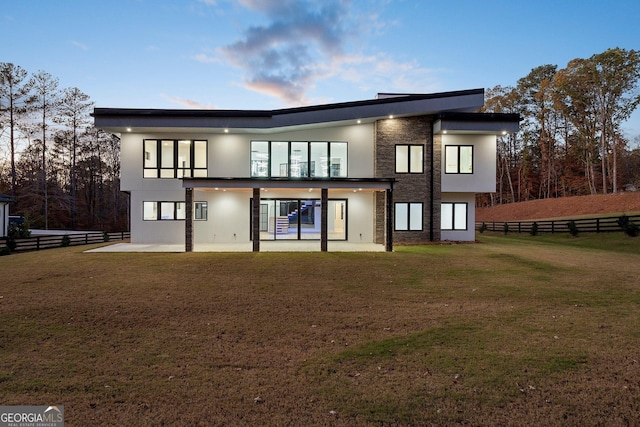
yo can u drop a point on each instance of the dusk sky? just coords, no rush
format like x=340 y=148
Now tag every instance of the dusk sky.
x=268 y=54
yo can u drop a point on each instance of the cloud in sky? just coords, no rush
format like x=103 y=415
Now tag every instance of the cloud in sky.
x=304 y=42
x=79 y=45
x=282 y=58
x=190 y=103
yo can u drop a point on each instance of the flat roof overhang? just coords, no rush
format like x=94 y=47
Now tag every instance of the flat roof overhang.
x=476 y=123
x=282 y=183
x=122 y=120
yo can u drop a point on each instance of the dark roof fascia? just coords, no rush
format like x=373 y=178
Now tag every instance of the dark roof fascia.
x=485 y=123
x=6 y=199
x=479 y=117
x=149 y=112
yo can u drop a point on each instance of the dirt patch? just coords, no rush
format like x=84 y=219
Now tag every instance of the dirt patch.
x=562 y=207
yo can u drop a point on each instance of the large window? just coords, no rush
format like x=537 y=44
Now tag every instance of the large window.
x=172 y=158
x=408 y=216
x=409 y=159
x=458 y=158
x=163 y=211
x=298 y=159
x=454 y=216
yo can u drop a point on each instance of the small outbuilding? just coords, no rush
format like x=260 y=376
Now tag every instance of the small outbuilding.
x=4 y=214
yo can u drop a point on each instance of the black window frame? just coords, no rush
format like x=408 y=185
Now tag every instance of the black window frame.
x=206 y=211
x=158 y=167
x=408 y=229
x=159 y=210
x=409 y=158
x=308 y=162
x=453 y=216
x=458 y=172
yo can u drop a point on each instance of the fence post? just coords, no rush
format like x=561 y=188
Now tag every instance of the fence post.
x=552 y=227
x=597 y=225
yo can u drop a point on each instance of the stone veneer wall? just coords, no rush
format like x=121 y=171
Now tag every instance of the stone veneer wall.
x=411 y=188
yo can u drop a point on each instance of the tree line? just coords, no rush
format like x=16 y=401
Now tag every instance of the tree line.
x=570 y=140
x=61 y=171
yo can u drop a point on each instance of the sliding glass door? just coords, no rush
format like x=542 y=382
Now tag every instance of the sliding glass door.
x=300 y=219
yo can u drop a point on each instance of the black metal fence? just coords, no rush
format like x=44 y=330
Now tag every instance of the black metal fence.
x=37 y=243
x=582 y=225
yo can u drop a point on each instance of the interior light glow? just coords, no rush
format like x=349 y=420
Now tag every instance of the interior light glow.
x=226 y=131
x=391 y=116
x=128 y=129
x=504 y=132
x=359 y=121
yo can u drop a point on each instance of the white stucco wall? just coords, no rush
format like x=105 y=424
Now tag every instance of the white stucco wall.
x=228 y=156
x=462 y=235
x=483 y=178
x=155 y=231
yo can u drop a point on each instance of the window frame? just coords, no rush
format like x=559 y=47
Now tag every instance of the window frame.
x=205 y=211
x=160 y=171
x=453 y=216
x=408 y=160
x=327 y=171
x=158 y=204
x=408 y=218
x=458 y=171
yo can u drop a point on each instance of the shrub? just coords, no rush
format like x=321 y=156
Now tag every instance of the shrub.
x=18 y=231
x=483 y=228
x=105 y=236
x=505 y=228
x=6 y=250
x=534 y=229
x=66 y=241
x=631 y=229
x=573 y=228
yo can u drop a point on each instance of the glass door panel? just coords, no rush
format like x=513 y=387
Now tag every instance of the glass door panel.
x=337 y=220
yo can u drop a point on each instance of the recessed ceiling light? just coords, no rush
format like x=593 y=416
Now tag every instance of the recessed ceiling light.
x=359 y=121
x=391 y=116
x=128 y=129
x=226 y=131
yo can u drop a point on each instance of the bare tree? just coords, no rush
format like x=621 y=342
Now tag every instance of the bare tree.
x=74 y=113
x=14 y=101
x=46 y=101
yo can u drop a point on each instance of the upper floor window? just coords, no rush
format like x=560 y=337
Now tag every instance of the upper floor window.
x=453 y=216
x=409 y=159
x=408 y=217
x=298 y=159
x=173 y=158
x=458 y=158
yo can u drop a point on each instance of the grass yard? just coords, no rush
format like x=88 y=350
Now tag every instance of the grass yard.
x=513 y=331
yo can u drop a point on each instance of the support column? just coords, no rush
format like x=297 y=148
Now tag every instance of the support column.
x=188 y=223
x=324 y=209
x=389 y=233
x=255 y=220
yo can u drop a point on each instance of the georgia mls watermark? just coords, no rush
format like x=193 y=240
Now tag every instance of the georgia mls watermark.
x=32 y=416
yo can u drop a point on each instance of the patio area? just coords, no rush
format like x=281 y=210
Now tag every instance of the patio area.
x=280 y=246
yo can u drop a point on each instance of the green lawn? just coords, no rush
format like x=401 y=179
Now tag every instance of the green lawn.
x=514 y=330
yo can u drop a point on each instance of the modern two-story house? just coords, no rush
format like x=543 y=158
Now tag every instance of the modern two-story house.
x=398 y=169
